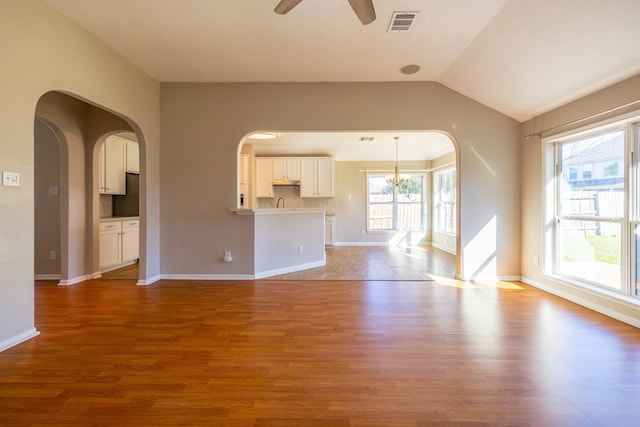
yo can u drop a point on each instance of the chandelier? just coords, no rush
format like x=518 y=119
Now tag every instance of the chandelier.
x=396 y=178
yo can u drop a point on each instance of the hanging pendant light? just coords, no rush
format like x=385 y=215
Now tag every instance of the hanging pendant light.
x=397 y=177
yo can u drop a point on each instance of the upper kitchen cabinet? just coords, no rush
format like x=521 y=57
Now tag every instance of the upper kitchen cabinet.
x=263 y=178
x=133 y=157
x=286 y=168
x=317 y=177
x=112 y=162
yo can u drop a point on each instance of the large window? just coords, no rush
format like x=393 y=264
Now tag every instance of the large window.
x=444 y=208
x=593 y=234
x=391 y=207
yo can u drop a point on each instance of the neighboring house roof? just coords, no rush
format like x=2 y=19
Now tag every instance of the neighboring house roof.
x=604 y=147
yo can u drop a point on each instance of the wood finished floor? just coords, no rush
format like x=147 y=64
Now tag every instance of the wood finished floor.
x=359 y=263
x=318 y=353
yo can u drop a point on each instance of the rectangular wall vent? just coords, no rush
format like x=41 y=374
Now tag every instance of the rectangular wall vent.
x=402 y=21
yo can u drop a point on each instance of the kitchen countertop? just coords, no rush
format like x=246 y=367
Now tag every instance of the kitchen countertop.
x=282 y=211
x=118 y=218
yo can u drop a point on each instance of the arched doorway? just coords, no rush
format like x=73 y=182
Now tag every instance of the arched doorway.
x=360 y=158
x=80 y=128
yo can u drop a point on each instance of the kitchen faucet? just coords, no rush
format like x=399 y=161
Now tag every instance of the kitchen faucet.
x=278 y=204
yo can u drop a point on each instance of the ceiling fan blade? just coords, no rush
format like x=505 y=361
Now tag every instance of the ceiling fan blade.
x=364 y=10
x=285 y=6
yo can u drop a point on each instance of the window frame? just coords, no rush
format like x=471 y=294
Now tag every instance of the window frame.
x=395 y=203
x=437 y=201
x=629 y=221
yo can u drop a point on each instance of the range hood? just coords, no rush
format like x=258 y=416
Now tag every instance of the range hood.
x=285 y=182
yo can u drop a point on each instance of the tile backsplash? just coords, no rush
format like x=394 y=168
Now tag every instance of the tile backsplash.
x=106 y=205
x=291 y=196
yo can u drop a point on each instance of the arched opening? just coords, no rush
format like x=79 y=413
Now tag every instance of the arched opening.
x=365 y=210
x=48 y=245
x=80 y=128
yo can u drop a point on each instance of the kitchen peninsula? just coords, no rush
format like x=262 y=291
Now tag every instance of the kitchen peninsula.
x=286 y=239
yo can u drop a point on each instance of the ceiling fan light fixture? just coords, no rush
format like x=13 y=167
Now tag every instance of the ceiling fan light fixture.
x=263 y=135
x=410 y=69
x=363 y=9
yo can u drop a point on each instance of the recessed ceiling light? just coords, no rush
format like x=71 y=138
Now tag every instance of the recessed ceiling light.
x=410 y=69
x=263 y=135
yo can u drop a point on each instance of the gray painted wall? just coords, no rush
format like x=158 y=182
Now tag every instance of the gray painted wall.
x=203 y=124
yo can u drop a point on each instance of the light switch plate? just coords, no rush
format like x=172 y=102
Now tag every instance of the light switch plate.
x=11 y=179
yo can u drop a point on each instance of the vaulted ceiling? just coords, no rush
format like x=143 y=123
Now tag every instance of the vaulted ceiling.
x=520 y=57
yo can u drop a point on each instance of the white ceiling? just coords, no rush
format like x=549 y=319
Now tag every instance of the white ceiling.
x=346 y=146
x=519 y=57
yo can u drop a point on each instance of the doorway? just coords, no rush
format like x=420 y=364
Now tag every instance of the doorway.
x=69 y=251
x=362 y=248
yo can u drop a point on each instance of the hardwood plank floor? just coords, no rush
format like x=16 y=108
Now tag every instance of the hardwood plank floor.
x=359 y=263
x=318 y=353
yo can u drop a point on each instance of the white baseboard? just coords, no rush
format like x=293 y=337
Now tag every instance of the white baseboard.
x=17 y=339
x=292 y=269
x=149 y=281
x=489 y=278
x=444 y=248
x=361 y=244
x=47 y=277
x=617 y=307
x=75 y=280
x=200 y=277
x=376 y=244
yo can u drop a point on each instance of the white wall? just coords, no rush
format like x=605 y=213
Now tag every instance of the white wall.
x=44 y=51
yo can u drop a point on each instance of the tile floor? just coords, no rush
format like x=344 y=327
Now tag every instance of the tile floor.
x=379 y=263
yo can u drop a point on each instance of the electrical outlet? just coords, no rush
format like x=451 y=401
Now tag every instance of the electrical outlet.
x=11 y=179
x=300 y=249
x=53 y=255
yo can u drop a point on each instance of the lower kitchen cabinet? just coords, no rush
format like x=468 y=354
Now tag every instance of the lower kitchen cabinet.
x=119 y=243
x=329 y=231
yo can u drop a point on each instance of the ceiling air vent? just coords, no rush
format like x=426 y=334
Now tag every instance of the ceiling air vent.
x=402 y=21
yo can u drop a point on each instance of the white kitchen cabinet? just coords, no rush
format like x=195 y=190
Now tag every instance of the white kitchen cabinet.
x=286 y=168
x=264 y=173
x=133 y=157
x=329 y=230
x=110 y=247
x=119 y=243
x=317 y=177
x=130 y=240
x=244 y=169
x=111 y=166
x=245 y=188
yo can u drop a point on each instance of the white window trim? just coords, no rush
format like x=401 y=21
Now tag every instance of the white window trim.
x=423 y=204
x=436 y=193
x=630 y=123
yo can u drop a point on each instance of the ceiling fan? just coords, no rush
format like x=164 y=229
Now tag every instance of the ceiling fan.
x=363 y=9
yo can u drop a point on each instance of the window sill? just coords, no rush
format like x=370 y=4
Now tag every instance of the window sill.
x=632 y=301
